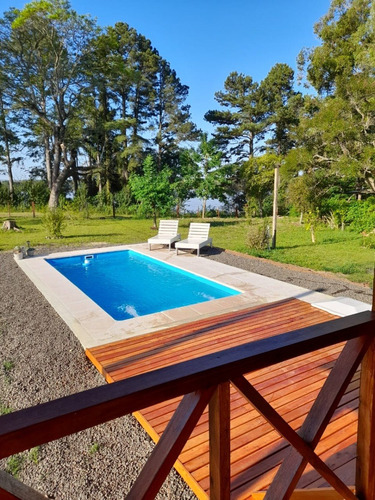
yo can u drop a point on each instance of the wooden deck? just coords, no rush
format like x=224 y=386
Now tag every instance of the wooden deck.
x=290 y=387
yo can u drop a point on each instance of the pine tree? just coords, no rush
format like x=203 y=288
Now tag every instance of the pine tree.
x=173 y=124
x=242 y=123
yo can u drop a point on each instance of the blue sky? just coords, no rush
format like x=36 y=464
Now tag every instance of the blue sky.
x=205 y=40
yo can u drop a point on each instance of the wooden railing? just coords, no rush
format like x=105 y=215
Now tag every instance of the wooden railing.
x=205 y=381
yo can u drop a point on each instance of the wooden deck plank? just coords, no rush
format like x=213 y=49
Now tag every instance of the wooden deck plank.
x=241 y=473
x=290 y=387
x=244 y=437
x=192 y=337
x=240 y=407
x=251 y=322
x=262 y=378
x=201 y=324
x=241 y=469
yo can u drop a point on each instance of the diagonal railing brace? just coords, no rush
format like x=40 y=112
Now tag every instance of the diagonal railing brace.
x=170 y=445
x=319 y=416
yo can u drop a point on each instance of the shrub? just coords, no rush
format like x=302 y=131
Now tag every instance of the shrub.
x=14 y=465
x=332 y=220
x=361 y=215
x=368 y=241
x=53 y=221
x=80 y=201
x=258 y=236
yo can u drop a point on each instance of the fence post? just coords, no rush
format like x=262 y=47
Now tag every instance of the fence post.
x=219 y=421
x=365 y=477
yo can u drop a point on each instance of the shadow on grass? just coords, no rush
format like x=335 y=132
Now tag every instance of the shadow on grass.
x=223 y=223
x=91 y=236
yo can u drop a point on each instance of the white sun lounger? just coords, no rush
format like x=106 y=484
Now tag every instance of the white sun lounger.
x=167 y=234
x=197 y=237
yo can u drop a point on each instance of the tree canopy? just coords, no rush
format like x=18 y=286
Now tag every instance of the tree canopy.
x=101 y=106
x=94 y=103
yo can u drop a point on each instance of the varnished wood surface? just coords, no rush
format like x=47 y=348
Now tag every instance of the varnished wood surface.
x=290 y=387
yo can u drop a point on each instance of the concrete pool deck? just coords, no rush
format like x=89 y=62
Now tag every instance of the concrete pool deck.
x=93 y=326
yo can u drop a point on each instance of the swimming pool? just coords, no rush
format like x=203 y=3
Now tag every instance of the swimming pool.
x=126 y=284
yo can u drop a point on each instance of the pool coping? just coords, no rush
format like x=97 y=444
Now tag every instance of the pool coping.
x=93 y=326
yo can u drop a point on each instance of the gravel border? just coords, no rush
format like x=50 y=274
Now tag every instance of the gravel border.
x=41 y=359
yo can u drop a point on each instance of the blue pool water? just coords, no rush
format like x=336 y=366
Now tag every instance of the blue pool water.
x=127 y=284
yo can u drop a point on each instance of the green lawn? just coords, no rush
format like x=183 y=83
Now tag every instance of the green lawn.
x=336 y=251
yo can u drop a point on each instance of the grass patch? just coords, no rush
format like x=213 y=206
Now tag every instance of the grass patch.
x=34 y=455
x=8 y=367
x=339 y=252
x=14 y=465
x=94 y=448
x=5 y=410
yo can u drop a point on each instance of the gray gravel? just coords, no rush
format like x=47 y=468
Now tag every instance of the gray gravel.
x=40 y=359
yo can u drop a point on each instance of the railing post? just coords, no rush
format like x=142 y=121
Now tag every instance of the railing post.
x=219 y=420
x=365 y=477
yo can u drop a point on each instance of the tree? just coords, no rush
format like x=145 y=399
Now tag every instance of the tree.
x=44 y=46
x=96 y=124
x=243 y=121
x=152 y=189
x=235 y=188
x=347 y=36
x=282 y=104
x=8 y=140
x=341 y=133
x=259 y=176
x=172 y=115
x=140 y=98
x=282 y=113
x=185 y=177
x=302 y=195
x=212 y=177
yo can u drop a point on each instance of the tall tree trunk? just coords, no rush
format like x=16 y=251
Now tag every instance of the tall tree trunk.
x=10 y=176
x=125 y=160
x=47 y=156
x=60 y=175
x=53 y=201
x=251 y=145
x=204 y=208
x=7 y=150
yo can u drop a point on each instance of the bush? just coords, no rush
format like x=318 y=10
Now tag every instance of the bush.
x=258 y=236
x=369 y=241
x=332 y=220
x=361 y=215
x=54 y=221
x=81 y=200
x=124 y=200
